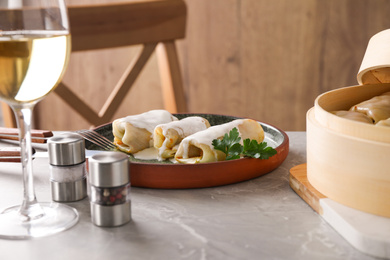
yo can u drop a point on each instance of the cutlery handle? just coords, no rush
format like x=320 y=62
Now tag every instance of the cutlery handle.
x=11 y=154
x=9 y=151
x=41 y=135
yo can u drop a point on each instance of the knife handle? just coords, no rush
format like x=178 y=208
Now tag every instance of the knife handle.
x=41 y=135
x=11 y=154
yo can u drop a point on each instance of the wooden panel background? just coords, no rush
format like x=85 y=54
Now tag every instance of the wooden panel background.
x=261 y=59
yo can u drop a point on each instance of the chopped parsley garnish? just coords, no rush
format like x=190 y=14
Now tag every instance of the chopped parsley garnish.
x=230 y=145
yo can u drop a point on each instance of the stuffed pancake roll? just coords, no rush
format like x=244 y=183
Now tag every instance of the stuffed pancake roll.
x=168 y=136
x=377 y=108
x=135 y=133
x=198 y=148
x=353 y=115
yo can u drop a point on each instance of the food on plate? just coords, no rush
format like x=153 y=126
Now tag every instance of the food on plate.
x=158 y=135
x=198 y=148
x=385 y=122
x=168 y=136
x=231 y=145
x=353 y=115
x=377 y=108
x=135 y=133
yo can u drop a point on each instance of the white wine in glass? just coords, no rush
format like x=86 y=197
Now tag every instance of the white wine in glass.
x=34 y=53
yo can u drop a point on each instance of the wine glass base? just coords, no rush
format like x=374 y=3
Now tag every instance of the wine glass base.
x=57 y=218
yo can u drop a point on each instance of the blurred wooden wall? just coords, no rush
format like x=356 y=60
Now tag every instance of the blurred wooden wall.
x=263 y=59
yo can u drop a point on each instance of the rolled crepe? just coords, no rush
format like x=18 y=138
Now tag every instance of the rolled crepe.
x=135 y=133
x=168 y=136
x=198 y=148
x=353 y=115
x=377 y=108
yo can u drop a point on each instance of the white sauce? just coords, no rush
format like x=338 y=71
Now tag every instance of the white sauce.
x=150 y=153
x=207 y=136
x=149 y=120
x=185 y=127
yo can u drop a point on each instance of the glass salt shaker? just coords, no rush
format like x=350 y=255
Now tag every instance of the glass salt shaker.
x=67 y=167
x=109 y=183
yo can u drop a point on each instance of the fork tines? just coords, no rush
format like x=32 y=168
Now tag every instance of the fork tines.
x=97 y=139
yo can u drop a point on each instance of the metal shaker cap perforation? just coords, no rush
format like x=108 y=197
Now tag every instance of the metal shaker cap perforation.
x=109 y=169
x=66 y=149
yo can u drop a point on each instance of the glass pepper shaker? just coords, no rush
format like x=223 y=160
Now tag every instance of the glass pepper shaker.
x=109 y=180
x=67 y=167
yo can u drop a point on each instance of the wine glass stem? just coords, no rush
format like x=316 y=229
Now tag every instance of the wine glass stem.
x=30 y=208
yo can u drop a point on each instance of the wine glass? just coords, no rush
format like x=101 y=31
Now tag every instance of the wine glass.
x=34 y=53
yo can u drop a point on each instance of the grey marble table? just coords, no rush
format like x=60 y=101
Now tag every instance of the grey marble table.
x=257 y=219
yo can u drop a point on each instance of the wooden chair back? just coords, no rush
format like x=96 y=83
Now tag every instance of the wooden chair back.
x=155 y=24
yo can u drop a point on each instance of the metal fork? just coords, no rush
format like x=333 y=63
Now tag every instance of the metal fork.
x=41 y=136
x=97 y=139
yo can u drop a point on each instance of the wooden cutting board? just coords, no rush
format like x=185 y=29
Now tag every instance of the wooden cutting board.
x=366 y=232
x=301 y=185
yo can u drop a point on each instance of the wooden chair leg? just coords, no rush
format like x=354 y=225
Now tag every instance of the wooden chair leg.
x=8 y=116
x=171 y=78
x=117 y=95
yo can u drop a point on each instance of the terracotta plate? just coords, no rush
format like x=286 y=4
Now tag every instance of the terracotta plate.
x=155 y=174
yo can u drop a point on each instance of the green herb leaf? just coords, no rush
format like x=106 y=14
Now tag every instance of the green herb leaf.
x=234 y=152
x=230 y=145
x=257 y=150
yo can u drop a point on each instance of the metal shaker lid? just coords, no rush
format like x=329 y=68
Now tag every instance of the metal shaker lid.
x=109 y=169
x=66 y=149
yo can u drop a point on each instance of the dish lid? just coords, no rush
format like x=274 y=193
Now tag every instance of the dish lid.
x=375 y=67
x=66 y=149
x=109 y=169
